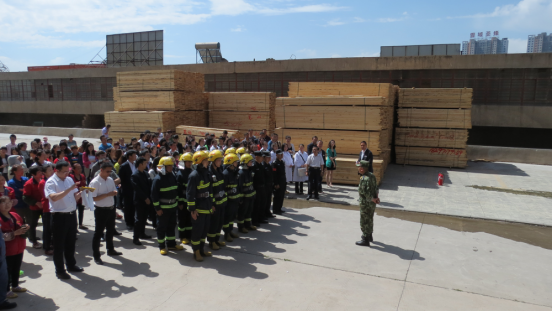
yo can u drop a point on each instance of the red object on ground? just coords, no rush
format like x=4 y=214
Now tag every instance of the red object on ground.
x=440 y=179
x=63 y=67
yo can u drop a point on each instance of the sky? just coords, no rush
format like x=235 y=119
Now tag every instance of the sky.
x=56 y=32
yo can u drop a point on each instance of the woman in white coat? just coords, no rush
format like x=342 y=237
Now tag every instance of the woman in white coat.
x=288 y=163
x=299 y=159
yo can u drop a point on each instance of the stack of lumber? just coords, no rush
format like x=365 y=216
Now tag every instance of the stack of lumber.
x=147 y=100
x=196 y=131
x=347 y=113
x=242 y=110
x=433 y=127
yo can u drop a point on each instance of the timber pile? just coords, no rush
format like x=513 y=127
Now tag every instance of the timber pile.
x=433 y=127
x=196 y=131
x=242 y=110
x=347 y=113
x=158 y=100
x=160 y=80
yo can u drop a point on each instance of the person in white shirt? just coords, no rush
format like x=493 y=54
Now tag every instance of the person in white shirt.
x=288 y=163
x=299 y=162
x=104 y=212
x=213 y=145
x=105 y=130
x=12 y=144
x=63 y=195
x=315 y=165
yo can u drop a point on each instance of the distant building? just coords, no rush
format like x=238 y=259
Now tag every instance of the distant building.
x=488 y=45
x=539 y=43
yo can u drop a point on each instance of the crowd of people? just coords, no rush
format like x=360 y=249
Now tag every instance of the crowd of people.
x=199 y=188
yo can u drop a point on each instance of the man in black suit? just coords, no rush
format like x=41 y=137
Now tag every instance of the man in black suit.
x=366 y=155
x=125 y=172
x=313 y=143
x=142 y=185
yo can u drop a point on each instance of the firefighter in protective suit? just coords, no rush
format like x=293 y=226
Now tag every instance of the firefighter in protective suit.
x=245 y=186
x=233 y=194
x=184 y=219
x=201 y=203
x=165 y=198
x=220 y=196
x=230 y=150
x=241 y=151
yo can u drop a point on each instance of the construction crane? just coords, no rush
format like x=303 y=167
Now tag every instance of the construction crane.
x=4 y=68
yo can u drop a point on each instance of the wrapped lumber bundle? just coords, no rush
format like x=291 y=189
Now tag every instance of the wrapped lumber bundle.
x=185 y=130
x=241 y=120
x=419 y=137
x=435 y=118
x=242 y=101
x=332 y=101
x=347 y=173
x=318 y=89
x=158 y=100
x=435 y=98
x=347 y=142
x=160 y=80
x=368 y=118
x=431 y=156
x=140 y=121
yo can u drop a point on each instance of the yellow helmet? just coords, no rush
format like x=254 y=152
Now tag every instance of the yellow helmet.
x=231 y=158
x=199 y=156
x=214 y=155
x=246 y=158
x=166 y=161
x=230 y=150
x=241 y=150
x=187 y=157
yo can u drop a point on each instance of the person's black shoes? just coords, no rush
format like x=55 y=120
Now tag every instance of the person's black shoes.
x=98 y=261
x=113 y=253
x=272 y=215
x=75 y=269
x=264 y=221
x=6 y=305
x=116 y=233
x=364 y=242
x=308 y=197
x=136 y=242
x=145 y=237
x=130 y=228
x=370 y=237
x=63 y=276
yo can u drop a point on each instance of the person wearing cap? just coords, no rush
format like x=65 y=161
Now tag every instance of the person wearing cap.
x=165 y=198
x=220 y=196
x=184 y=219
x=230 y=172
x=279 y=181
x=368 y=198
x=248 y=193
x=142 y=186
x=258 y=212
x=201 y=203
x=267 y=159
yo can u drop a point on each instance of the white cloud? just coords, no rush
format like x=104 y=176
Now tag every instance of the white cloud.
x=335 y=22
x=238 y=29
x=517 y=45
x=335 y=55
x=308 y=52
x=389 y=20
x=358 y=20
x=13 y=65
x=57 y=61
x=367 y=54
x=230 y=7
x=317 y=8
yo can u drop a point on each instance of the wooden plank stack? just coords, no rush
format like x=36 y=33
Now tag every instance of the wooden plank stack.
x=242 y=110
x=147 y=100
x=433 y=127
x=348 y=113
x=196 y=131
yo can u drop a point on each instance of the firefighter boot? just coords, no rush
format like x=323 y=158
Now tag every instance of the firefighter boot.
x=233 y=235
x=228 y=238
x=185 y=241
x=197 y=256
x=214 y=246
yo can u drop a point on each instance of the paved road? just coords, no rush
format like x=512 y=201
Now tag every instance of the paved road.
x=307 y=260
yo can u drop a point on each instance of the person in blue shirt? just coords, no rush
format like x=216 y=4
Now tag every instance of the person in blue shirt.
x=105 y=145
x=17 y=183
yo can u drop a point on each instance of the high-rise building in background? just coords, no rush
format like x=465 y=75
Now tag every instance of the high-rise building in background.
x=485 y=45
x=539 y=43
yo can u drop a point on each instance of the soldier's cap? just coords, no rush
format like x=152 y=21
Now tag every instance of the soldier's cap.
x=258 y=153
x=266 y=154
x=279 y=151
x=363 y=163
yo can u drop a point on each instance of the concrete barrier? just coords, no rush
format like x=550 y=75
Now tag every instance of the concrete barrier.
x=509 y=154
x=52 y=131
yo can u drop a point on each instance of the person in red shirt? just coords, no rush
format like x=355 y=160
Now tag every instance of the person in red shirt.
x=79 y=178
x=12 y=228
x=61 y=157
x=48 y=171
x=31 y=196
x=7 y=191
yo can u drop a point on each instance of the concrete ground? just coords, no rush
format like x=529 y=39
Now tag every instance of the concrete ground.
x=307 y=260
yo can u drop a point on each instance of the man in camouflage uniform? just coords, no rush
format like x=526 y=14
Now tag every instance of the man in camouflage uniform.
x=368 y=198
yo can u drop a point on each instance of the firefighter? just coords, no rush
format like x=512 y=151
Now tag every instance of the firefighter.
x=220 y=196
x=184 y=218
x=258 y=213
x=279 y=181
x=268 y=185
x=199 y=195
x=247 y=192
x=231 y=162
x=230 y=150
x=165 y=198
x=240 y=151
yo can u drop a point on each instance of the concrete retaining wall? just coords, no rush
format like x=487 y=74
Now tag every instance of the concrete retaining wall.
x=52 y=131
x=508 y=154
